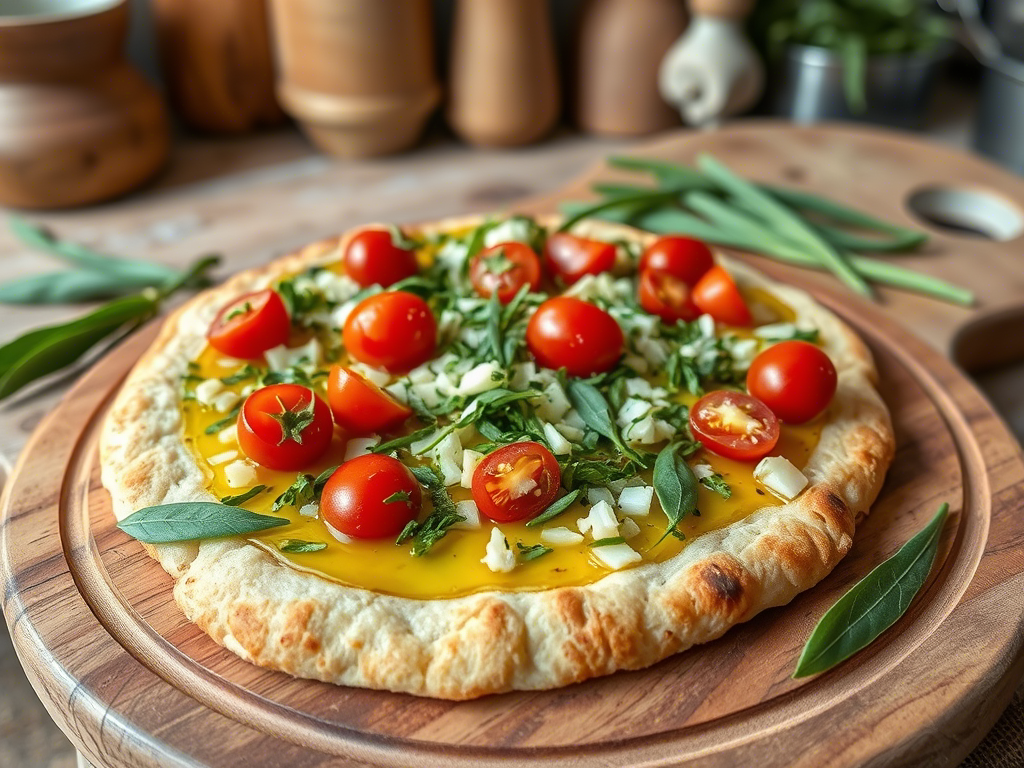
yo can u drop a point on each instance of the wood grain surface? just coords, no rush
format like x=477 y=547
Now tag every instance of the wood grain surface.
x=134 y=684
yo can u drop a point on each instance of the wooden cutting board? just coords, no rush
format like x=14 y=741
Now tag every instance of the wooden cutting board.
x=134 y=684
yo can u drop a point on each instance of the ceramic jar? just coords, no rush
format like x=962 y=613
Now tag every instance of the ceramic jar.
x=77 y=123
x=358 y=75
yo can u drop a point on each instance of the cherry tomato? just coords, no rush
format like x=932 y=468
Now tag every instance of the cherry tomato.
x=371 y=497
x=734 y=425
x=393 y=330
x=250 y=325
x=284 y=426
x=360 y=406
x=516 y=482
x=505 y=268
x=717 y=295
x=569 y=333
x=795 y=379
x=665 y=295
x=372 y=257
x=684 y=257
x=570 y=257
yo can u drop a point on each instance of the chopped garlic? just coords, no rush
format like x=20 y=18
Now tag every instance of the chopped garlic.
x=560 y=537
x=469 y=510
x=448 y=454
x=553 y=404
x=222 y=458
x=616 y=556
x=470 y=461
x=700 y=471
x=360 y=446
x=229 y=434
x=280 y=358
x=779 y=476
x=600 y=523
x=344 y=539
x=225 y=401
x=629 y=528
x=559 y=445
x=482 y=378
x=207 y=390
x=636 y=502
x=240 y=474
x=596 y=495
x=309 y=510
x=499 y=557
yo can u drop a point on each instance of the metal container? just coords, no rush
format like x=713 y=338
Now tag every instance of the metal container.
x=807 y=86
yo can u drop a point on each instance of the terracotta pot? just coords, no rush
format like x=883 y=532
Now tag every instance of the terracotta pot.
x=359 y=75
x=217 y=63
x=77 y=124
x=504 y=76
x=619 y=48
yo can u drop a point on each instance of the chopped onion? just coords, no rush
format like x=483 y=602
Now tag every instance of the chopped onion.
x=468 y=510
x=636 y=502
x=779 y=476
x=616 y=556
x=560 y=537
x=360 y=446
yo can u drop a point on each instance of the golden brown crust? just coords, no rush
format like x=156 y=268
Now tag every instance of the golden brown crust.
x=281 y=618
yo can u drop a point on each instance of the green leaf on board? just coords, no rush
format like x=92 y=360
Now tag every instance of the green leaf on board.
x=190 y=520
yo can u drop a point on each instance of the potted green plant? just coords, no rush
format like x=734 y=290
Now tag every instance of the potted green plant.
x=872 y=60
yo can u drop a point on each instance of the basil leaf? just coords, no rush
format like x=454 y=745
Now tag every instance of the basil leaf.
x=676 y=486
x=532 y=552
x=611 y=541
x=556 y=508
x=595 y=411
x=874 y=603
x=252 y=493
x=298 y=546
x=190 y=520
x=717 y=484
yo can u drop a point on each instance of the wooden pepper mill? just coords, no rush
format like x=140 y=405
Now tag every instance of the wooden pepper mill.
x=618 y=49
x=77 y=123
x=217 y=63
x=358 y=75
x=504 y=79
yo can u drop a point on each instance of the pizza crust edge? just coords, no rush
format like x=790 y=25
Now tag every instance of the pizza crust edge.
x=279 y=617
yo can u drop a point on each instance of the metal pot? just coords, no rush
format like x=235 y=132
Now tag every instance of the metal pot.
x=807 y=86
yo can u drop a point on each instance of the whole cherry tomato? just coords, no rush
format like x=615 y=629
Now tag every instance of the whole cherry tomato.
x=665 y=295
x=371 y=497
x=734 y=425
x=505 y=268
x=360 y=406
x=284 y=426
x=516 y=482
x=570 y=258
x=250 y=325
x=569 y=333
x=795 y=379
x=393 y=330
x=717 y=295
x=684 y=257
x=372 y=258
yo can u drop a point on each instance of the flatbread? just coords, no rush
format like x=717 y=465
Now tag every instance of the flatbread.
x=283 y=618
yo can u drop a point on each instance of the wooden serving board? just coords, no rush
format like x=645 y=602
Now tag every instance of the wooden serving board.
x=134 y=684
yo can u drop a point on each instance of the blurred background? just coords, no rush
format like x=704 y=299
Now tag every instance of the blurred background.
x=135 y=123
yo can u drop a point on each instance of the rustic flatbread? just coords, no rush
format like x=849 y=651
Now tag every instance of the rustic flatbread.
x=255 y=604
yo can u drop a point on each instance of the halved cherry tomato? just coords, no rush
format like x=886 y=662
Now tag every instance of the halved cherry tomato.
x=734 y=425
x=284 y=426
x=505 y=268
x=516 y=482
x=250 y=325
x=665 y=295
x=795 y=379
x=570 y=257
x=567 y=332
x=372 y=257
x=717 y=295
x=684 y=257
x=394 y=330
x=371 y=497
x=360 y=406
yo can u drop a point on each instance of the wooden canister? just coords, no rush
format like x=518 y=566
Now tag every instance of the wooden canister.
x=503 y=83
x=359 y=75
x=77 y=123
x=619 y=45
x=217 y=63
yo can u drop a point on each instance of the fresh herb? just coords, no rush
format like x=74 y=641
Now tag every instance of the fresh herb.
x=874 y=603
x=404 y=441
x=717 y=484
x=398 y=497
x=227 y=421
x=610 y=541
x=300 y=302
x=582 y=473
x=595 y=411
x=556 y=508
x=442 y=517
x=400 y=240
x=237 y=501
x=247 y=373
x=299 y=546
x=190 y=520
x=531 y=552
x=298 y=494
x=675 y=485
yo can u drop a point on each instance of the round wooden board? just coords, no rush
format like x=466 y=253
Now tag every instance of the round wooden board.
x=134 y=684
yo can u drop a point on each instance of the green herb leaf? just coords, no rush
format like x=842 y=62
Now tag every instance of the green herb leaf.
x=610 y=541
x=717 y=484
x=676 y=487
x=237 y=501
x=442 y=517
x=403 y=441
x=874 y=603
x=398 y=497
x=190 y=520
x=556 y=508
x=298 y=546
x=595 y=411
x=532 y=552
x=300 y=493
x=66 y=288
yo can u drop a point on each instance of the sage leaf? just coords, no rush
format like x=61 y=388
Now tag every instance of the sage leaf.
x=596 y=412
x=556 y=508
x=190 y=520
x=874 y=603
x=299 y=546
x=676 y=487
